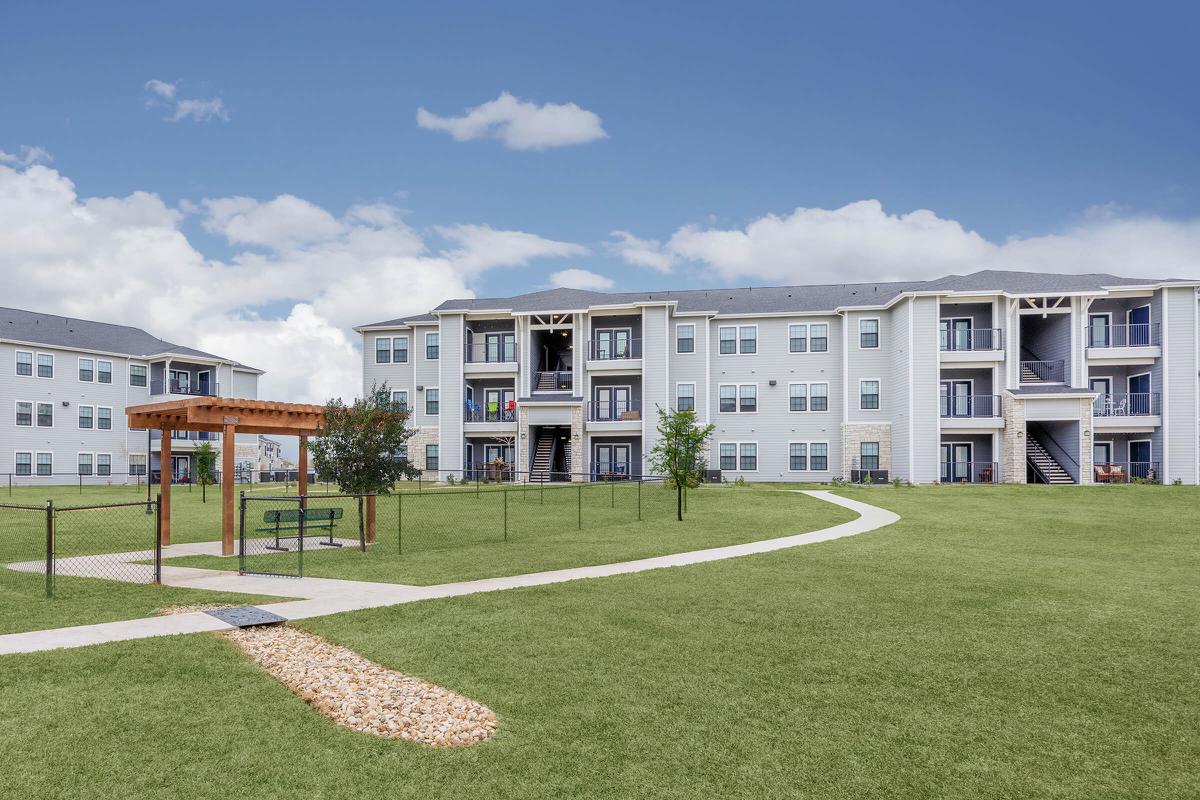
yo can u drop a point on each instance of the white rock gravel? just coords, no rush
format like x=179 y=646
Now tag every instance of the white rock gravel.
x=361 y=695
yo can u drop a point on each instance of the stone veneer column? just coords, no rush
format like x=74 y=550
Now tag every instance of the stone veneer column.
x=523 y=444
x=1086 y=435
x=578 y=463
x=855 y=433
x=1012 y=466
x=416 y=448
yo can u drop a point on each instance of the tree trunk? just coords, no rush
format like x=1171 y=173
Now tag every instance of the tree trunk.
x=679 y=501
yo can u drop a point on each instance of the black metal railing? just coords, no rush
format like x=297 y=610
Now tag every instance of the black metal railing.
x=614 y=410
x=553 y=381
x=175 y=387
x=971 y=405
x=502 y=351
x=973 y=339
x=490 y=412
x=970 y=472
x=614 y=349
x=1126 y=472
x=1043 y=371
x=1141 y=404
x=1139 y=334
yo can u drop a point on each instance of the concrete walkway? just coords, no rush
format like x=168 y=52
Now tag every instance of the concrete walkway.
x=321 y=596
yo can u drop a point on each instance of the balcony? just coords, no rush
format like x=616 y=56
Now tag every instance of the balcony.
x=970 y=472
x=1035 y=372
x=614 y=411
x=490 y=412
x=970 y=406
x=970 y=340
x=493 y=351
x=1143 y=334
x=614 y=349
x=1126 y=472
x=555 y=381
x=179 y=387
x=1146 y=404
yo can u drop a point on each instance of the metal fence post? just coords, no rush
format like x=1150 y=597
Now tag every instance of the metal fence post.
x=242 y=534
x=49 y=548
x=505 y=493
x=158 y=540
x=612 y=501
x=300 y=543
x=639 y=484
x=579 y=507
x=400 y=522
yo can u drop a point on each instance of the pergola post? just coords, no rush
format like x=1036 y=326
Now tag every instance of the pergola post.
x=302 y=479
x=165 y=471
x=227 y=448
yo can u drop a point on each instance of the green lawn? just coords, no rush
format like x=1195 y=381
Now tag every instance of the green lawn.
x=1001 y=642
x=454 y=537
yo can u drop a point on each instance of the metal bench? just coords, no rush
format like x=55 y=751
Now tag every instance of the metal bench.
x=281 y=520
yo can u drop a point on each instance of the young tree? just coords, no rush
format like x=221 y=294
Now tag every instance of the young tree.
x=357 y=447
x=206 y=462
x=681 y=452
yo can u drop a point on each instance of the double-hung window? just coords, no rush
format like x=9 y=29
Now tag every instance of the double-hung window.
x=45 y=464
x=432 y=346
x=432 y=401
x=104 y=371
x=685 y=397
x=868 y=395
x=737 y=398
x=748 y=456
x=85 y=417
x=24 y=414
x=728 y=398
x=685 y=338
x=45 y=415
x=748 y=339
x=104 y=464
x=818 y=337
x=137 y=374
x=868 y=453
x=24 y=363
x=85 y=463
x=24 y=463
x=383 y=350
x=45 y=365
x=431 y=457
x=797 y=338
x=400 y=350
x=868 y=334
x=748 y=398
x=728 y=456
x=401 y=399
x=818 y=397
x=798 y=456
x=727 y=340
x=87 y=370
x=797 y=397
x=137 y=463
x=818 y=456
x=103 y=418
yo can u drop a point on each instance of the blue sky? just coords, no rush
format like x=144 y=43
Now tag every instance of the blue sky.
x=1042 y=123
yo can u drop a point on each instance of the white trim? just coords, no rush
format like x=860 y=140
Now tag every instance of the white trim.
x=708 y=372
x=53 y=366
x=679 y=352
x=596 y=445
x=32 y=464
x=425 y=352
x=37 y=403
x=808 y=456
x=1149 y=317
x=425 y=402
x=112 y=378
x=739 y=456
x=788 y=344
x=1166 y=403
x=78 y=409
x=91 y=464
x=861 y=381
x=1111 y=449
x=1107 y=328
x=129 y=376
x=37 y=453
x=1147 y=374
x=79 y=368
x=32 y=414
x=735 y=340
x=912 y=387
x=878 y=332
x=96 y=418
x=32 y=365
x=684 y=383
x=1129 y=454
x=377 y=351
x=812 y=325
x=808 y=395
x=738 y=398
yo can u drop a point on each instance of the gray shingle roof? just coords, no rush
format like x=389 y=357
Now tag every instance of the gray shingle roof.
x=82 y=334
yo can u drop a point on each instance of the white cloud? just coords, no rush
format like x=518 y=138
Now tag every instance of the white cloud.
x=361 y=267
x=482 y=247
x=862 y=242
x=166 y=95
x=580 y=279
x=642 y=252
x=519 y=124
x=28 y=155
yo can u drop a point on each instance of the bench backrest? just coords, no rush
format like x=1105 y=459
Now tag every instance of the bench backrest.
x=293 y=515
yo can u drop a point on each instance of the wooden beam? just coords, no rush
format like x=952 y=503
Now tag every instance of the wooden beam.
x=302 y=487
x=164 y=485
x=227 y=448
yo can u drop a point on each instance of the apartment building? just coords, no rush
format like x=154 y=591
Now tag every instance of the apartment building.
x=66 y=387
x=988 y=377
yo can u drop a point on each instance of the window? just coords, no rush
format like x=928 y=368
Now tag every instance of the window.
x=45 y=464
x=137 y=374
x=137 y=463
x=818 y=341
x=431 y=456
x=748 y=338
x=727 y=337
x=728 y=456
x=432 y=346
x=818 y=456
x=45 y=363
x=104 y=464
x=104 y=371
x=383 y=350
x=685 y=397
x=45 y=415
x=432 y=401
x=103 y=418
x=24 y=414
x=24 y=364
x=85 y=463
x=748 y=457
x=797 y=338
x=728 y=398
x=685 y=338
x=798 y=456
x=85 y=416
x=401 y=399
x=797 y=397
x=869 y=455
x=24 y=463
x=868 y=334
x=748 y=398
x=87 y=370
x=400 y=350
x=401 y=453
x=868 y=395
x=818 y=397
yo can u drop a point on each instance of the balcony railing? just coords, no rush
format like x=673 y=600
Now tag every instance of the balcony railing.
x=175 y=387
x=561 y=381
x=1043 y=371
x=614 y=349
x=1125 y=472
x=971 y=405
x=970 y=472
x=1142 y=334
x=495 y=471
x=1144 y=404
x=614 y=410
x=972 y=339
x=490 y=412
x=491 y=352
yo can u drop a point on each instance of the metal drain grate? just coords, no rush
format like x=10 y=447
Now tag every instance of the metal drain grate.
x=246 y=616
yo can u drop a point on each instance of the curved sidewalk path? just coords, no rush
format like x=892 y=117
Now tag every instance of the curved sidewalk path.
x=330 y=596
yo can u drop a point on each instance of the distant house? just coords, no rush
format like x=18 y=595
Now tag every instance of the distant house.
x=67 y=386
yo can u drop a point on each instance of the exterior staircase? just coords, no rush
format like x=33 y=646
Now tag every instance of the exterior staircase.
x=1044 y=463
x=1028 y=375
x=543 y=453
x=547 y=382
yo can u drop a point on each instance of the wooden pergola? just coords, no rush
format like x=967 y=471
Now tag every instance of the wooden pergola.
x=227 y=417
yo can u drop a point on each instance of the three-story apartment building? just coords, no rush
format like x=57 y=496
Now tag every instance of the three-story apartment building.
x=989 y=377
x=65 y=388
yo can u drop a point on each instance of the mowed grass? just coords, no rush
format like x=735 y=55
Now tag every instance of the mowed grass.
x=444 y=537
x=998 y=642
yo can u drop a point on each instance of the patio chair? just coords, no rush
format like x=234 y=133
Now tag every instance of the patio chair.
x=1122 y=408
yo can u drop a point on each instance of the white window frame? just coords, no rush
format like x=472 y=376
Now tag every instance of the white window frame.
x=32 y=365
x=691 y=325
x=91 y=464
x=789 y=349
x=145 y=465
x=37 y=453
x=736 y=344
x=32 y=414
x=1129 y=451
x=739 y=339
x=79 y=411
x=735 y=456
x=878 y=455
x=810 y=456
x=111 y=377
x=96 y=465
x=808 y=394
x=79 y=368
x=807 y=463
x=685 y=383
x=387 y=349
x=878 y=333
x=407 y=349
x=405 y=400
x=757 y=405
x=129 y=376
x=53 y=366
x=735 y=398
x=425 y=354
x=96 y=418
x=425 y=401
x=807 y=405
x=38 y=424
x=861 y=381
x=739 y=453
x=32 y=463
x=812 y=325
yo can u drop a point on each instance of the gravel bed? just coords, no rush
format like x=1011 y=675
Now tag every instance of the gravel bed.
x=361 y=695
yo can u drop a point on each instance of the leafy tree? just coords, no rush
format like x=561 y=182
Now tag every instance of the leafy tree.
x=681 y=452
x=206 y=462
x=357 y=446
